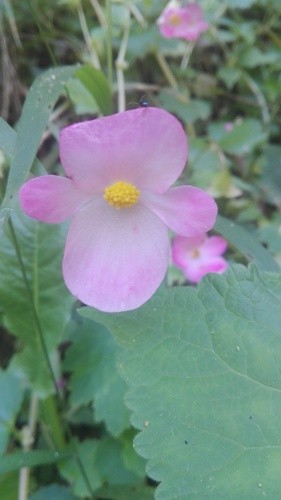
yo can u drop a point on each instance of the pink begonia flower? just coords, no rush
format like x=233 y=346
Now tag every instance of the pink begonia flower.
x=228 y=126
x=118 y=173
x=199 y=255
x=182 y=22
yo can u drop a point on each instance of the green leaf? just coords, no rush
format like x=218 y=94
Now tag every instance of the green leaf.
x=70 y=470
x=203 y=370
x=125 y=492
x=247 y=244
x=41 y=247
x=55 y=491
x=270 y=181
x=251 y=57
x=97 y=85
x=242 y=139
x=8 y=138
x=36 y=111
x=11 y=400
x=111 y=464
x=83 y=101
x=9 y=485
x=91 y=359
x=188 y=110
x=239 y=4
x=103 y=462
x=19 y=459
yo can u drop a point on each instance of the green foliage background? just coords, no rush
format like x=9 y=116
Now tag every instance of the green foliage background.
x=180 y=398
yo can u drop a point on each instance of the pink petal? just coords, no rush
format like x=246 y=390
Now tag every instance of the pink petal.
x=182 y=248
x=51 y=198
x=115 y=259
x=214 y=246
x=187 y=210
x=196 y=268
x=146 y=147
x=190 y=22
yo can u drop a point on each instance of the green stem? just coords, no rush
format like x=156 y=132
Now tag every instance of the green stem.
x=109 y=43
x=51 y=418
x=166 y=70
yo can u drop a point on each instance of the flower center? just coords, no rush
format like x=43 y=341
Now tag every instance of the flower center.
x=121 y=194
x=175 y=19
x=195 y=254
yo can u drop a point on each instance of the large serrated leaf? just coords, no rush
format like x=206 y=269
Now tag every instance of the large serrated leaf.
x=203 y=368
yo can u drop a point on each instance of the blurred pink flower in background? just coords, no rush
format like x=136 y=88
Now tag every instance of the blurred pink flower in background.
x=119 y=170
x=182 y=22
x=199 y=255
x=228 y=126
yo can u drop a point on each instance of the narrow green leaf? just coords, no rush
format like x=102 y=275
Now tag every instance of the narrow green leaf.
x=247 y=244
x=37 y=108
x=34 y=458
x=8 y=138
x=97 y=84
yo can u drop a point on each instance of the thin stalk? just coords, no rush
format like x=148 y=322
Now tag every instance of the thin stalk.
x=259 y=97
x=166 y=70
x=137 y=14
x=109 y=43
x=50 y=416
x=99 y=13
x=44 y=348
x=121 y=65
x=87 y=37
x=28 y=438
x=187 y=54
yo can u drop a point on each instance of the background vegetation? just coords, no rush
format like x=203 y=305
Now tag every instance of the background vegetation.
x=77 y=441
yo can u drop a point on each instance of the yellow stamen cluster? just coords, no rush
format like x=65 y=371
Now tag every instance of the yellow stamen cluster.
x=121 y=194
x=175 y=19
